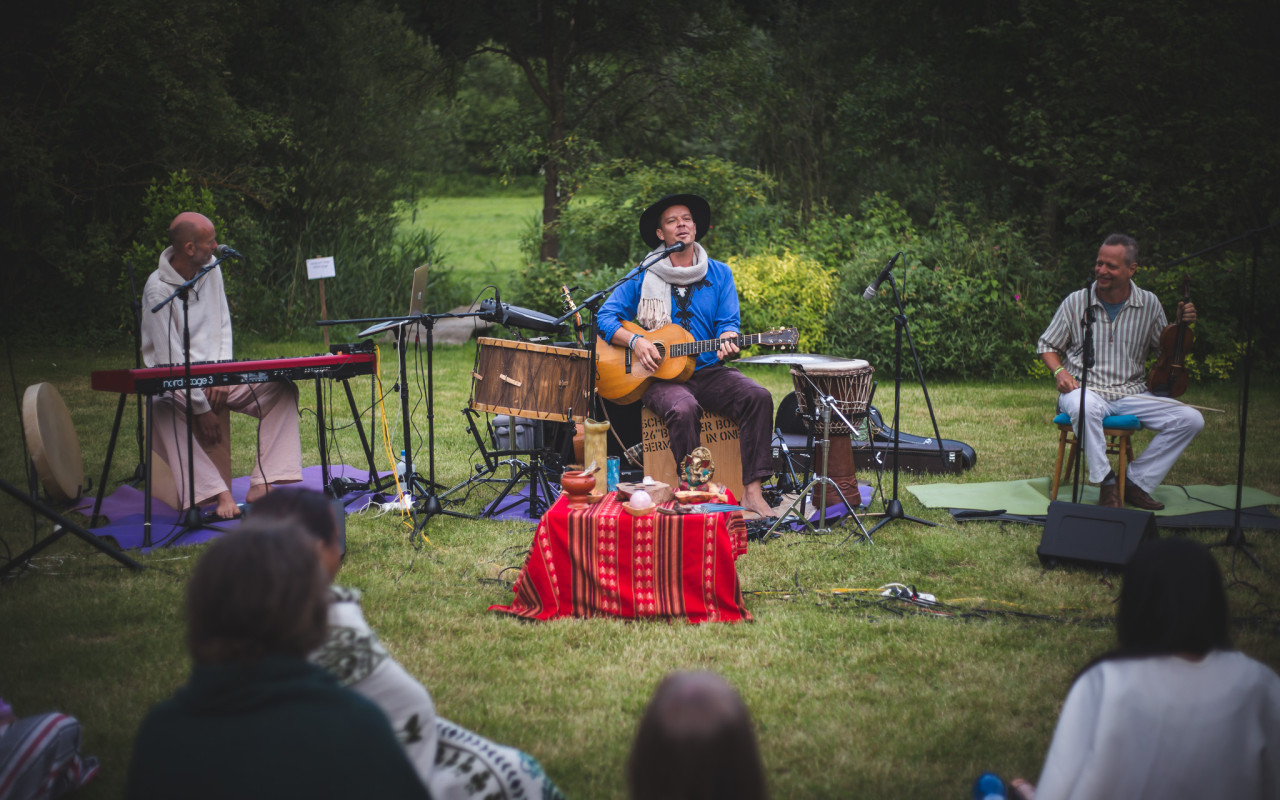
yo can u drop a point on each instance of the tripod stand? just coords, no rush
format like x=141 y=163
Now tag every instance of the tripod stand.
x=426 y=503
x=64 y=526
x=1235 y=537
x=893 y=509
x=538 y=470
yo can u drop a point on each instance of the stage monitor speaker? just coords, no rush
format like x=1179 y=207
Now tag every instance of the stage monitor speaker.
x=1093 y=535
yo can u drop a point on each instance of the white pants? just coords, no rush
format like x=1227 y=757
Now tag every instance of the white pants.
x=279 y=453
x=1175 y=426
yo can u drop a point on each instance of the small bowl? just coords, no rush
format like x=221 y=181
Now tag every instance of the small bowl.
x=578 y=486
x=639 y=512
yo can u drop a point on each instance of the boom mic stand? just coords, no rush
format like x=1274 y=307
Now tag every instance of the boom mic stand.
x=1235 y=537
x=593 y=302
x=191 y=517
x=1086 y=361
x=893 y=509
x=135 y=303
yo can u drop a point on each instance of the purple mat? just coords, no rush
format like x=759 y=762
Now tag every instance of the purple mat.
x=123 y=509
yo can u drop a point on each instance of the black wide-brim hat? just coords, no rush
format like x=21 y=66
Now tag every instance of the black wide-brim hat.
x=650 y=220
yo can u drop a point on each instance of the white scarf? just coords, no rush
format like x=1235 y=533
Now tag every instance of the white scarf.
x=654 y=309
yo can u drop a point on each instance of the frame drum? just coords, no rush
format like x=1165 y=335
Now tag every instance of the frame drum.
x=523 y=379
x=51 y=437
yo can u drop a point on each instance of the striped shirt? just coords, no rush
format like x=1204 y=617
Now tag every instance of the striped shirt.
x=1121 y=345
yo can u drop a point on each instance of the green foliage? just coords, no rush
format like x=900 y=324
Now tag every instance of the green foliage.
x=294 y=117
x=599 y=228
x=973 y=293
x=785 y=291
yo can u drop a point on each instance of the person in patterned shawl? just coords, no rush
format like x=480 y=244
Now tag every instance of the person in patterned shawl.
x=452 y=762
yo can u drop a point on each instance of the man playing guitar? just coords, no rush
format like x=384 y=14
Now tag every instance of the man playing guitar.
x=689 y=288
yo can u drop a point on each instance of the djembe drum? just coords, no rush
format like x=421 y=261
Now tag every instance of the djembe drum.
x=848 y=383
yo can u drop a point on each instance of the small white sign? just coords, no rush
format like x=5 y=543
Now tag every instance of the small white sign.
x=320 y=268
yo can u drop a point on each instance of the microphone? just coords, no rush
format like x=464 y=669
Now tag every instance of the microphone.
x=224 y=251
x=874 y=286
x=675 y=248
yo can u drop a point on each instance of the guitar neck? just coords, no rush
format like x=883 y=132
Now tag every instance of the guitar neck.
x=709 y=345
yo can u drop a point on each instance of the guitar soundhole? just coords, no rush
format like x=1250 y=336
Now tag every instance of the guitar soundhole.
x=662 y=351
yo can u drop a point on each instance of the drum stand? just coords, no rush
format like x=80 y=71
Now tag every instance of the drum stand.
x=539 y=471
x=824 y=407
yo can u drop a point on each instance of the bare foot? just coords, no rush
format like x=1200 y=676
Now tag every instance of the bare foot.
x=754 y=501
x=257 y=492
x=227 y=508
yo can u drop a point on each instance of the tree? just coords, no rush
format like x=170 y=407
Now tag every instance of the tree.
x=594 y=67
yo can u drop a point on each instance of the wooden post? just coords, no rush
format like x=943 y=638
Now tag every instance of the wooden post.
x=324 y=314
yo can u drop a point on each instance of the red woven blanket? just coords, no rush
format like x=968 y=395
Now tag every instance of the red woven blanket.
x=601 y=561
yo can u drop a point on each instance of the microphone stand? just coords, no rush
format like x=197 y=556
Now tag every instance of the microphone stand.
x=135 y=303
x=191 y=517
x=593 y=302
x=1235 y=537
x=893 y=509
x=1086 y=360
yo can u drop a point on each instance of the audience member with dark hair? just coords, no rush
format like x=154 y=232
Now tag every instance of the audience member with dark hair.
x=695 y=742
x=256 y=720
x=450 y=760
x=1172 y=711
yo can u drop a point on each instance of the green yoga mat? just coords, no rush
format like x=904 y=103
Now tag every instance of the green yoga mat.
x=1031 y=497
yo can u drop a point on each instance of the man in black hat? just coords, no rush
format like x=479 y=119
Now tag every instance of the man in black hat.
x=697 y=293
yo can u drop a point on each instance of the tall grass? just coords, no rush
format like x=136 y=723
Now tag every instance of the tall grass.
x=851 y=698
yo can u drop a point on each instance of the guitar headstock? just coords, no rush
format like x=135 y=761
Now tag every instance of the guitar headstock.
x=782 y=337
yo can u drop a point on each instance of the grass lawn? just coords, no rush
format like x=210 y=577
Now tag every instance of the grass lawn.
x=851 y=698
x=479 y=236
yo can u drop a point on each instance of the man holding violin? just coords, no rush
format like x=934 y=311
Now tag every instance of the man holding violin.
x=1127 y=323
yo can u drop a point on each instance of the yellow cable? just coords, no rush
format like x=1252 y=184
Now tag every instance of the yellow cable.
x=386 y=432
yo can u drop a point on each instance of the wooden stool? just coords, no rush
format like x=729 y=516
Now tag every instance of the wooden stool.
x=719 y=435
x=1118 y=429
x=162 y=486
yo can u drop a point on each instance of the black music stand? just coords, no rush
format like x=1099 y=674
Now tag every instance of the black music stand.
x=428 y=504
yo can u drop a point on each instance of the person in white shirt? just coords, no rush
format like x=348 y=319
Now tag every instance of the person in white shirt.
x=192 y=242
x=1172 y=712
x=1127 y=322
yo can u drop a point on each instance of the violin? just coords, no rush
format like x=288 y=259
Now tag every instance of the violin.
x=1169 y=377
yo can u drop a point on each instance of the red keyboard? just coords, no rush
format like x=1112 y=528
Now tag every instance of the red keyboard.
x=156 y=380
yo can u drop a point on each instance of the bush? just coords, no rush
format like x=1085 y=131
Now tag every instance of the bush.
x=785 y=291
x=271 y=295
x=599 y=237
x=973 y=296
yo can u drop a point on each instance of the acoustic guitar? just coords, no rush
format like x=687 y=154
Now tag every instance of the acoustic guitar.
x=620 y=378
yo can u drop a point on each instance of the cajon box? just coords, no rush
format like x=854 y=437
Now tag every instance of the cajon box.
x=719 y=435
